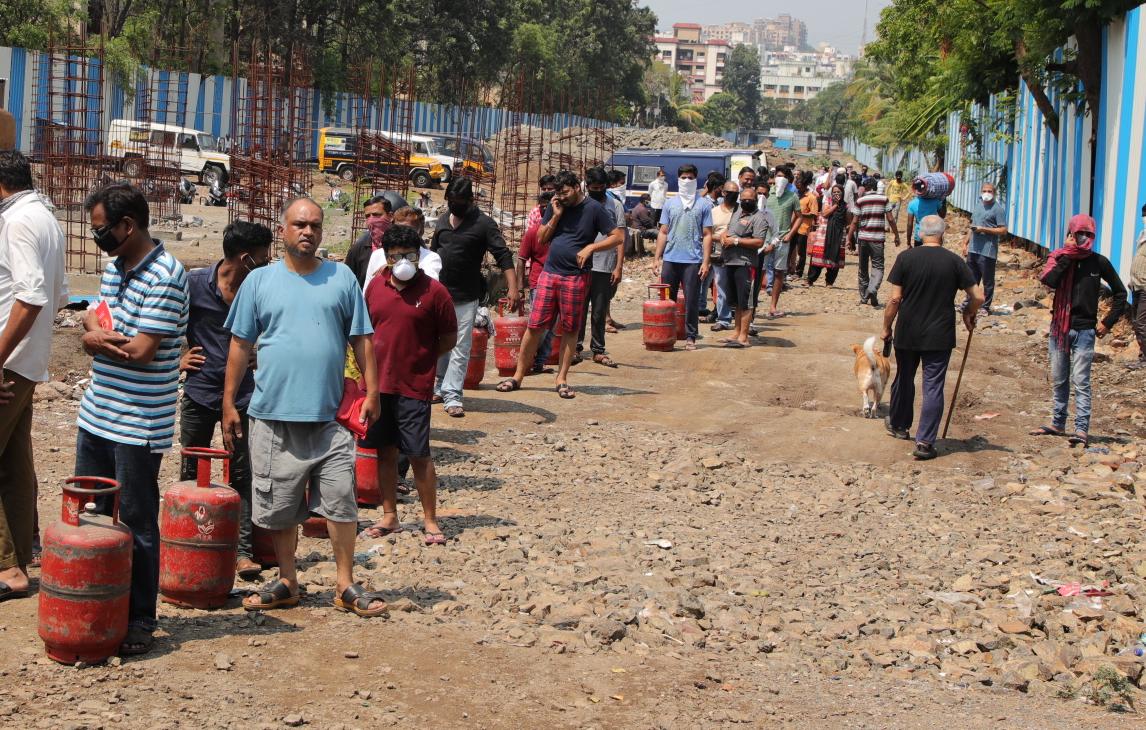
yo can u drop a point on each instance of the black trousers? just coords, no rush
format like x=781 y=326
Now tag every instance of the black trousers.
x=902 y=405
x=814 y=273
x=601 y=291
x=197 y=428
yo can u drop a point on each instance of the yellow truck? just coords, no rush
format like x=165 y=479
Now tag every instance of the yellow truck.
x=338 y=155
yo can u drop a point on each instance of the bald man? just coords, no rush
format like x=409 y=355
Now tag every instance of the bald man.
x=303 y=311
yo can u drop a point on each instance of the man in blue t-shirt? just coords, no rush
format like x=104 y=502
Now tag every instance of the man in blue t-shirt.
x=981 y=247
x=684 y=245
x=570 y=226
x=918 y=209
x=302 y=311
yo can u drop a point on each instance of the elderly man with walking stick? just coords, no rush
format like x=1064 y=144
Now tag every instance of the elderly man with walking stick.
x=924 y=283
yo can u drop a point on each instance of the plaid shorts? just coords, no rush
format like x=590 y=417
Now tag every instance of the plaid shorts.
x=560 y=300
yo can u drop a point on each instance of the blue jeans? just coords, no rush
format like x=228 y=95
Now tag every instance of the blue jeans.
x=702 y=291
x=723 y=308
x=546 y=345
x=136 y=469
x=687 y=276
x=452 y=366
x=1070 y=369
x=983 y=267
x=902 y=403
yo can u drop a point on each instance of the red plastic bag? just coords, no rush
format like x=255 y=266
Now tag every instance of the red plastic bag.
x=350 y=409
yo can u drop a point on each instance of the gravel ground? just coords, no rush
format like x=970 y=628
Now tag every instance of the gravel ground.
x=708 y=538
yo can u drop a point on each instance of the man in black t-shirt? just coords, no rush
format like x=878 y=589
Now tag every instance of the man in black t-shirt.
x=924 y=283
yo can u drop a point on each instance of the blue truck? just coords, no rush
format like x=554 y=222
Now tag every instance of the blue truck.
x=640 y=166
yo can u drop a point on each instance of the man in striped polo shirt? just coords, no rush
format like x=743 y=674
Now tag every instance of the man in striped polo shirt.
x=874 y=218
x=127 y=415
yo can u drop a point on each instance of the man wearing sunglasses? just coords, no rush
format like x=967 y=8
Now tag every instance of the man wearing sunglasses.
x=1075 y=272
x=246 y=247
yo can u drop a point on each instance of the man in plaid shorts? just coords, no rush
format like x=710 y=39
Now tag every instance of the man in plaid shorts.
x=570 y=225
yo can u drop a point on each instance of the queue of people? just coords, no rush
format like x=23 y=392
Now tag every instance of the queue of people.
x=262 y=346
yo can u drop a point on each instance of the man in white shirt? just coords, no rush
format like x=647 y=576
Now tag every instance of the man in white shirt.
x=428 y=261
x=32 y=288
x=658 y=193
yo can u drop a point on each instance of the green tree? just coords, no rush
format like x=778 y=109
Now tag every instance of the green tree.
x=742 y=80
x=721 y=113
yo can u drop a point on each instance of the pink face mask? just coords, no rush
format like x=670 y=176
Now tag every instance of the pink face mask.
x=378 y=228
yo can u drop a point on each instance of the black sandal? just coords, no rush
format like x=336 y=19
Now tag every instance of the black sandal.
x=1046 y=431
x=138 y=641
x=508 y=385
x=7 y=592
x=356 y=599
x=1079 y=439
x=565 y=391
x=271 y=596
x=604 y=360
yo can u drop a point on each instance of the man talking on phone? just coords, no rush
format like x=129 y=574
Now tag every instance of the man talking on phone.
x=981 y=247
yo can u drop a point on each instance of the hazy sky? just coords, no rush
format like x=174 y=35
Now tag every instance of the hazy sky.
x=838 y=22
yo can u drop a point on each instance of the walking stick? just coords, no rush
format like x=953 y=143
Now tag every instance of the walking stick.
x=958 y=381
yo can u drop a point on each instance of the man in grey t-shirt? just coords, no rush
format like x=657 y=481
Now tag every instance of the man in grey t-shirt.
x=606 y=271
x=748 y=230
x=981 y=247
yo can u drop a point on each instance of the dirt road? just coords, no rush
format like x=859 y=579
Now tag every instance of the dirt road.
x=698 y=539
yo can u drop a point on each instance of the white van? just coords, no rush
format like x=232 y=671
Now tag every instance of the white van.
x=197 y=152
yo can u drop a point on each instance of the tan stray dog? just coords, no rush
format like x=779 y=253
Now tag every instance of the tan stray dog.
x=873 y=372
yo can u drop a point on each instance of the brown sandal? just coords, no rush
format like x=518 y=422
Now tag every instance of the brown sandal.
x=271 y=596
x=356 y=599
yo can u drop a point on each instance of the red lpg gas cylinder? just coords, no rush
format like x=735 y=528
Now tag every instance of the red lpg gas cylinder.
x=263 y=547
x=681 y=332
x=659 y=329
x=85 y=576
x=315 y=526
x=508 y=331
x=366 y=476
x=198 y=537
x=475 y=370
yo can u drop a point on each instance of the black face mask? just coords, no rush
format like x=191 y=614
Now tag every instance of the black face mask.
x=730 y=199
x=748 y=206
x=459 y=208
x=598 y=195
x=106 y=240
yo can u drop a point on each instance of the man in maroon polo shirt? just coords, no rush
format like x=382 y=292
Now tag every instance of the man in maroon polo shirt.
x=414 y=324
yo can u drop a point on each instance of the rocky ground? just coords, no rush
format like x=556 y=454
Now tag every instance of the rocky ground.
x=708 y=538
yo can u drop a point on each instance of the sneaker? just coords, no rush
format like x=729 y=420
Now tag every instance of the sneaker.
x=899 y=433
x=924 y=452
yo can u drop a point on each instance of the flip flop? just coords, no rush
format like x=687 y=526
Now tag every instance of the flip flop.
x=610 y=329
x=734 y=344
x=7 y=592
x=543 y=370
x=565 y=391
x=435 y=538
x=508 y=385
x=271 y=596
x=356 y=599
x=374 y=531
x=1046 y=431
x=604 y=360
x=1078 y=439
x=436 y=399
x=690 y=346
x=455 y=412
x=777 y=315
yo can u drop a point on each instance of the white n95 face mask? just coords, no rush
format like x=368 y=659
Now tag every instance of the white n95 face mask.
x=404 y=270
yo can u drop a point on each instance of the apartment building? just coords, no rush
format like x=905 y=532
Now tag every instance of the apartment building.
x=701 y=62
x=793 y=76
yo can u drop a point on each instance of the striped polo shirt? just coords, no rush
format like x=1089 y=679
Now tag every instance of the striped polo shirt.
x=872 y=218
x=133 y=403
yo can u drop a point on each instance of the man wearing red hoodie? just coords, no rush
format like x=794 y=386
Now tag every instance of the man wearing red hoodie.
x=1075 y=272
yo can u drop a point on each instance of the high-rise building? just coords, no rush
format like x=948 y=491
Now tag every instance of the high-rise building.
x=769 y=34
x=700 y=62
x=736 y=33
